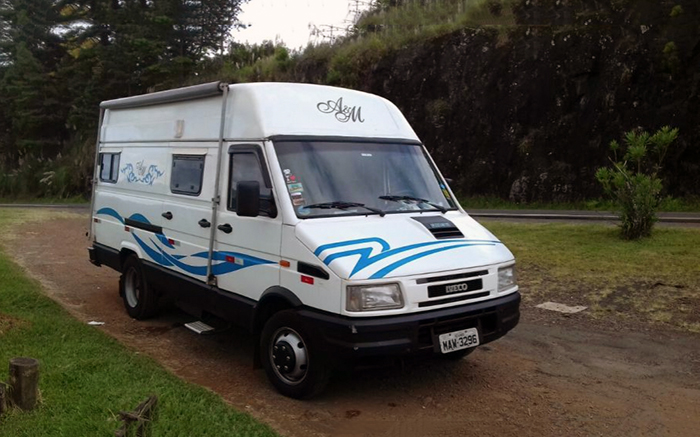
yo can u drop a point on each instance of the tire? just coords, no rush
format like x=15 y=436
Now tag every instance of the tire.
x=285 y=339
x=140 y=299
x=456 y=356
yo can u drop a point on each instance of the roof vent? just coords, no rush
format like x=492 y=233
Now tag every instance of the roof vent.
x=440 y=227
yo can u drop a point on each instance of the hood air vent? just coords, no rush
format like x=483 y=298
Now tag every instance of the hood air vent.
x=440 y=227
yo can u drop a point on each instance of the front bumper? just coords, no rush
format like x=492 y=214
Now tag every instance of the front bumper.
x=351 y=339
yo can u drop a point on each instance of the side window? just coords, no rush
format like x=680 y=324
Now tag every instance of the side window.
x=245 y=166
x=109 y=167
x=187 y=174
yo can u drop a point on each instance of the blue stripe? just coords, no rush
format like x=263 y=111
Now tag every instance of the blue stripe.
x=110 y=212
x=155 y=256
x=139 y=218
x=365 y=253
x=163 y=239
x=160 y=256
x=385 y=245
x=391 y=267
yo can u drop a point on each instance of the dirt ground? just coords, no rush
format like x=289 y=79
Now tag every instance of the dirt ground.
x=551 y=376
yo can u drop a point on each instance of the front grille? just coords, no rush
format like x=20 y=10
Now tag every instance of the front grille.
x=452 y=277
x=431 y=303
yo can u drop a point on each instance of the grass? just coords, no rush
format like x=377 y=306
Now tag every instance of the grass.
x=434 y=17
x=88 y=377
x=656 y=280
x=668 y=204
x=74 y=200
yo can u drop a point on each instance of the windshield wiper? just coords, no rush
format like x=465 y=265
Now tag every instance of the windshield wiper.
x=441 y=208
x=339 y=204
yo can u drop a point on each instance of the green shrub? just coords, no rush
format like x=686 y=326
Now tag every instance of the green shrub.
x=633 y=182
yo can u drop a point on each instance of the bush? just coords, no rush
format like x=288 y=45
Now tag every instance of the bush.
x=633 y=182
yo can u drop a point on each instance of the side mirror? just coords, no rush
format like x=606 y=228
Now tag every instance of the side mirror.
x=248 y=198
x=449 y=180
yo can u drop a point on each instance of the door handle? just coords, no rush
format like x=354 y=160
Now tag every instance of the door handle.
x=225 y=228
x=204 y=223
x=168 y=215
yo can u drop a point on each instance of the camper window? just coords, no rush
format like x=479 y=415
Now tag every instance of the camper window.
x=109 y=167
x=187 y=175
x=245 y=166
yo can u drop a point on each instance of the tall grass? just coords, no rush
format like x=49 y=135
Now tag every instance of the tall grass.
x=64 y=176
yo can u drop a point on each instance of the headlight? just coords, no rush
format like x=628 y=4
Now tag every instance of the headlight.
x=507 y=278
x=374 y=297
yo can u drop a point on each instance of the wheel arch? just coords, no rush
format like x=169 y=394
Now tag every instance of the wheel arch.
x=127 y=249
x=273 y=300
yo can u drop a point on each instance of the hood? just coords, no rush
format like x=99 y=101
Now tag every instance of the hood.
x=376 y=247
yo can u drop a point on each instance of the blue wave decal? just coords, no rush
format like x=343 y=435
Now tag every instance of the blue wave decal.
x=153 y=253
x=110 y=212
x=391 y=267
x=160 y=256
x=384 y=244
x=366 y=258
x=163 y=239
x=139 y=218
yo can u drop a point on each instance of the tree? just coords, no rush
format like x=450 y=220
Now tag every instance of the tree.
x=633 y=182
x=60 y=58
x=34 y=106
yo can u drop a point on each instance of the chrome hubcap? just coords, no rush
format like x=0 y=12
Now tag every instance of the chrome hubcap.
x=289 y=356
x=132 y=287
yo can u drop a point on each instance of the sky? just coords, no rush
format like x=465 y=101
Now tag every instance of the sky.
x=289 y=20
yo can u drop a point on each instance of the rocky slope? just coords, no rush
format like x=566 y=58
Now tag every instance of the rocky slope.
x=527 y=111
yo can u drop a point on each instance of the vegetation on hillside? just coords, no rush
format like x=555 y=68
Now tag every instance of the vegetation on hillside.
x=513 y=98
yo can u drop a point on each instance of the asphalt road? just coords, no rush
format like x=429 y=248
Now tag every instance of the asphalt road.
x=517 y=215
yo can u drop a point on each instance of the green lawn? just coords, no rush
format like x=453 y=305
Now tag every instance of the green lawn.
x=87 y=377
x=668 y=204
x=75 y=200
x=656 y=280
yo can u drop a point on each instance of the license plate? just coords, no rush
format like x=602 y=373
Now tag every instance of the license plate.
x=454 y=341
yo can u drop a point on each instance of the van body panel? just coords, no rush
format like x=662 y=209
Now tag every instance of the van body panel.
x=396 y=245
x=199 y=120
x=361 y=222
x=323 y=293
x=263 y=110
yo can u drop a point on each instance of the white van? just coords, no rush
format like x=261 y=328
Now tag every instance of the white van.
x=310 y=215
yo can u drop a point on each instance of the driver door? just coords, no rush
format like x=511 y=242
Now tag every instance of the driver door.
x=246 y=260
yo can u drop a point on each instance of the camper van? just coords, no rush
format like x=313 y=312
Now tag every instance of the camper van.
x=310 y=215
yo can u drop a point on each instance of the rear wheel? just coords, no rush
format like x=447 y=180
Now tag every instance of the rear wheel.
x=291 y=356
x=140 y=300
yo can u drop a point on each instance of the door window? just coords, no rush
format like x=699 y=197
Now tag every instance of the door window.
x=246 y=166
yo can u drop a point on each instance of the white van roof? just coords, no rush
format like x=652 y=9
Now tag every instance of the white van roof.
x=254 y=111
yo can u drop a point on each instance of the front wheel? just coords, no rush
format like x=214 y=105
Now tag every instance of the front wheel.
x=291 y=356
x=140 y=299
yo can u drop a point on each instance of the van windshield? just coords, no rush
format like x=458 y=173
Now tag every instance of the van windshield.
x=332 y=178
